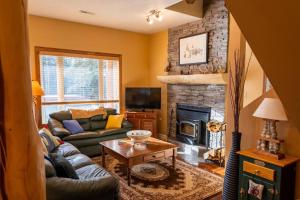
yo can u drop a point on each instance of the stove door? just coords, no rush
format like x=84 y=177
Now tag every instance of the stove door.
x=188 y=128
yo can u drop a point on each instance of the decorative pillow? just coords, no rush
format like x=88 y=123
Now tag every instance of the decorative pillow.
x=62 y=166
x=255 y=189
x=49 y=140
x=79 y=114
x=73 y=126
x=114 y=121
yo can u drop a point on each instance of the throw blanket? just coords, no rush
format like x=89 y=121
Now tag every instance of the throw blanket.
x=79 y=114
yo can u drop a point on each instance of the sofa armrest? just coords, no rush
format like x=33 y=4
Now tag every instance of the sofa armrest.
x=126 y=124
x=104 y=188
x=57 y=128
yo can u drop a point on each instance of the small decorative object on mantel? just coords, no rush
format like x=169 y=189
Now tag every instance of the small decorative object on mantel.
x=272 y=111
x=193 y=49
x=168 y=67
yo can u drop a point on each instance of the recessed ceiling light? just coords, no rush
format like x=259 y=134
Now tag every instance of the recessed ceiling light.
x=86 y=12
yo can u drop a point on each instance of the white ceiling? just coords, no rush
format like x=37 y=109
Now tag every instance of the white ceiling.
x=120 y=14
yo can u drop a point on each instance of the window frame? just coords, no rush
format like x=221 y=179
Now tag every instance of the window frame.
x=78 y=53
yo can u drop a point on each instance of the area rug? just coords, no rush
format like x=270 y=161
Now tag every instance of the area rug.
x=158 y=181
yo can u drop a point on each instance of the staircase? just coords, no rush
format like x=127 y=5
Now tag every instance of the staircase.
x=272 y=29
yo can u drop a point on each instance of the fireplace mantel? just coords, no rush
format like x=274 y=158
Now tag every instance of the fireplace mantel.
x=195 y=79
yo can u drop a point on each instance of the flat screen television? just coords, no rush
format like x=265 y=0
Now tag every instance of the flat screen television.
x=142 y=98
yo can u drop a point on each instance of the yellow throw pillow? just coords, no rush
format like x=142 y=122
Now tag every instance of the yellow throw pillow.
x=114 y=121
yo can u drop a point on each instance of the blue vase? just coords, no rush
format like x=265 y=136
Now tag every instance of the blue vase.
x=231 y=179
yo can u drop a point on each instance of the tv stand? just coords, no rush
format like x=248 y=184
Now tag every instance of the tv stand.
x=144 y=120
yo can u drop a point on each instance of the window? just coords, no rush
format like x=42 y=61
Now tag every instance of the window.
x=73 y=79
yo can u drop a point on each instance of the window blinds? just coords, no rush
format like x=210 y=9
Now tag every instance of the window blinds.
x=78 y=81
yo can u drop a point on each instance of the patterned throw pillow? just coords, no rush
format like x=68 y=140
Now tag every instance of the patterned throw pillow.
x=255 y=189
x=48 y=139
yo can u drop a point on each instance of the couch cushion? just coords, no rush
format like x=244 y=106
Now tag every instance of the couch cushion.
x=110 y=111
x=99 y=118
x=49 y=168
x=79 y=160
x=96 y=125
x=63 y=167
x=84 y=123
x=57 y=128
x=95 y=134
x=61 y=115
x=91 y=171
x=66 y=149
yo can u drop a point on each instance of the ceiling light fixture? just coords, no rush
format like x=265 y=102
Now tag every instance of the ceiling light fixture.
x=86 y=12
x=149 y=20
x=154 y=14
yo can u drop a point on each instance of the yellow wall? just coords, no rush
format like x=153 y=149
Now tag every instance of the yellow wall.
x=250 y=126
x=143 y=56
x=255 y=77
x=158 y=59
x=252 y=91
x=133 y=47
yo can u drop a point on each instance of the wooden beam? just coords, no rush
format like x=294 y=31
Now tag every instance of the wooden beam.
x=24 y=173
x=194 y=9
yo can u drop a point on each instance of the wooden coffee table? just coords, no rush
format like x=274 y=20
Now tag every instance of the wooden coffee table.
x=125 y=152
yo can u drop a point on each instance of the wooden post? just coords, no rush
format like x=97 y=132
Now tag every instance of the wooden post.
x=24 y=172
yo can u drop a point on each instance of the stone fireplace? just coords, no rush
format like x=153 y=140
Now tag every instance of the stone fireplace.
x=196 y=104
x=206 y=95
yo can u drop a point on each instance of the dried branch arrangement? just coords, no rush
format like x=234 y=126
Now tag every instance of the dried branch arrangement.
x=237 y=78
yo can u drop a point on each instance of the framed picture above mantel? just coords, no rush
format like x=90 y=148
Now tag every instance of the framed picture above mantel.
x=193 y=49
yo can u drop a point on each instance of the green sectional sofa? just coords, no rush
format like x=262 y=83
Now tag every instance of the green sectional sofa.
x=94 y=131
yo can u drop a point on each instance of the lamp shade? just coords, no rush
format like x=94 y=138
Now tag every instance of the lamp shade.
x=37 y=89
x=271 y=108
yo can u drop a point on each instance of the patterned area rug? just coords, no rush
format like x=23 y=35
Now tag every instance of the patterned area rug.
x=158 y=181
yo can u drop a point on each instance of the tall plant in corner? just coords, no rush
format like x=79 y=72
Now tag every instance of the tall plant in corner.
x=237 y=77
